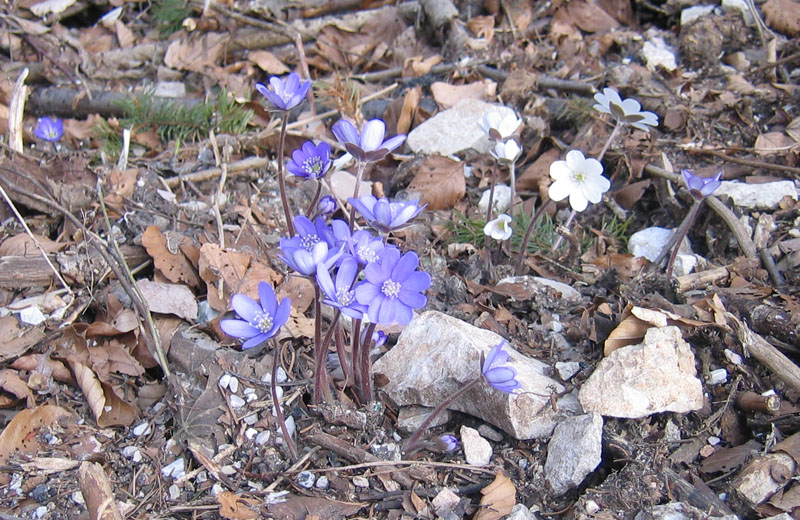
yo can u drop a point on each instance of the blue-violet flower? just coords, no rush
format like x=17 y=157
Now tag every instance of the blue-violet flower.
x=383 y=215
x=497 y=374
x=286 y=93
x=259 y=321
x=49 y=129
x=305 y=261
x=701 y=187
x=393 y=287
x=449 y=442
x=369 y=144
x=327 y=205
x=340 y=293
x=309 y=161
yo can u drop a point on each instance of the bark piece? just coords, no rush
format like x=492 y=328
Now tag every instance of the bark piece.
x=97 y=493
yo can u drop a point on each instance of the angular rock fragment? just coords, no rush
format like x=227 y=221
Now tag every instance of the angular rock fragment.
x=574 y=451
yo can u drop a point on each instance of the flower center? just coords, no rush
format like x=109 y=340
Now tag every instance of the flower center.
x=367 y=254
x=390 y=288
x=344 y=297
x=309 y=241
x=578 y=176
x=262 y=321
x=313 y=165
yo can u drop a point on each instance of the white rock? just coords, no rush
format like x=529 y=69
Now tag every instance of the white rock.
x=520 y=512
x=657 y=375
x=236 y=401
x=690 y=14
x=322 y=482
x=410 y=418
x=757 y=196
x=32 y=316
x=477 y=450
x=141 y=429
x=40 y=511
x=538 y=284
x=290 y=426
x=718 y=376
x=250 y=419
x=658 y=54
x=362 y=482
x=567 y=369
x=250 y=434
x=174 y=469
x=445 y=501
x=733 y=357
x=574 y=451
x=454 y=130
x=684 y=264
x=741 y=6
x=436 y=355
x=233 y=384
x=591 y=507
x=77 y=497
x=305 y=479
x=501 y=200
x=672 y=511
x=262 y=438
x=649 y=242
x=132 y=452
x=174 y=492
x=224 y=380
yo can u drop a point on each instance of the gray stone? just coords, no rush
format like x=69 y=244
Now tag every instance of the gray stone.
x=741 y=6
x=410 y=418
x=520 y=512
x=526 y=286
x=649 y=242
x=436 y=355
x=574 y=451
x=757 y=196
x=691 y=14
x=490 y=433
x=445 y=501
x=657 y=375
x=567 y=369
x=477 y=450
x=676 y=511
x=454 y=130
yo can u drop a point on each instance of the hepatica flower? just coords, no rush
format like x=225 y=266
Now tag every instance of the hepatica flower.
x=285 y=93
x=499 y=228
x=506 y=151
x=49 y=129
x=448 y=442
x=498 y=125
x=701 y=187
x=496 y=373
x=310 y=247
x=258 y=321
x=369 y=144
x=340 y=291
x=383 y=215
x=310 y=161
x=327 y=205
x=624 y=111
x=578 y=178
x=393 y=287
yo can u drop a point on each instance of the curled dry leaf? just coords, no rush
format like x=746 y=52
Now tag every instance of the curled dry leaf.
x=24 y=245
x=10 y=382
x=234 y=507
x=107 y=407
x=238 y=273
x=175 y=256
x=498 y=498
x=16 y=339
x=18 y=434
x=440 y=181
x=447 y=95
x=783 y=16
x=268 y=62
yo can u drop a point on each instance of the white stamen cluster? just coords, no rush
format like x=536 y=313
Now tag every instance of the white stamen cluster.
x=390 y=288
x=262 y=321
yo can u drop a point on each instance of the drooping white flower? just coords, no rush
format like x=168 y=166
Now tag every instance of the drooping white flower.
x=498 y=126
x=578 y=178
x=499 y=228
x=507 y=151
x=625 y=111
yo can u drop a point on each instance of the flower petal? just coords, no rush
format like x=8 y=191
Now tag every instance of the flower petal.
x=560 y=171
x=255 y=341
x=393 y=142
x=413 y=299
x=560 y=190
x=238 y=328
x=405 y=266
x=366 y=293
x=577 y=200
x=575 y=160
x=267 y=296
x=345 y=132
x=372 y=135
x=246 y=307
x=281 y=314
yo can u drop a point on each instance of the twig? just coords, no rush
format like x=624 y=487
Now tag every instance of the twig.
x=16 y=110
x=745 y=162
x=769 y=264
x=783 y=367
x=379 y=463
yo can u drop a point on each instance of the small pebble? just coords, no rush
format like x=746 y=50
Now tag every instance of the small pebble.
x=233 y=385
x=733 y=357
x=591 y=507
x=567 y=370
x=228 y=470
x=174 y=469
x=249 y=390
x=281 y=376
x=714 y=440
x=132 y=452
x=322 y=482
x=718 y=376
x=77 y=497
x=174 y=492
x=224 y=380
x=40 y=512
x=262 y=438
x=250 y=433
x=236 y=401
x=251 y=419
x=362 y=482
x=490 y=433
x=251 y=397
x=141 y=429
x=305 y=479
x=290 y=426
x=217 y=488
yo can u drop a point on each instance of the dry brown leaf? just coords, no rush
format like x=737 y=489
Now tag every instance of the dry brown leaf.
x=410 y=105
x=198 y=52
x=23 y=245
x=299 y=290
x=120 y=185
x=482 y=27
x=630 y=331
x=630 y=194
x=96 y=39
x=17 y=435
x=783 y=16
x=238 y=272
x=16 y=339
x=10 y=382
x=440 y=181
x=538 y=172
x=234 y=507
x=299 y=507
x=172 y=255
x=447 y=95
x=627 y=265
x=107 y=407
x=268 y=62
x=498 y=498
x=169 y=298
x=589 y=17
x=773 y=143
x=125 y=36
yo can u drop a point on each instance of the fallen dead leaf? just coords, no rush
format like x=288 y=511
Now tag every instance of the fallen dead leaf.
x=440 y=181
x=447 y=95
x=498 y=498
x=410 y=105
x=23 y=245
x=630 y=331
x=168 y=298
x=299 y=508
x=17 y=435
x=198 y=52
x=538 y=172
x=10 y=382
x=107 y=407
x=234 y=507
x=419 y=66
x=268 y=62
x=172 y=255
x=773 y=143
x=783 y=16
x=16 y=339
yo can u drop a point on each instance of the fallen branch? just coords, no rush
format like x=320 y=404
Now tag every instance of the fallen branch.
x=752 y=343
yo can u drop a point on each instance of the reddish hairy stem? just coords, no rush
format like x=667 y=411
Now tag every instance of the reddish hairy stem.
x=281 y=180
x=273 y=385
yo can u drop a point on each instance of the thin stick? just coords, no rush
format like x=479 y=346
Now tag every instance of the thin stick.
x=273 y=386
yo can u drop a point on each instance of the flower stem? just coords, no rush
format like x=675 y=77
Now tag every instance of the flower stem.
x=611 y=137
x=561 y=237
x=410 y=443
x=364 y=365
x=359 y=175
x=512 y=173
x=347 y=372
x=679 y=235
x=355 y=352
x=287 y=212
x=312 y=206
x=273 y=385
x=486 y=255
x=526 y=238
x=320 y=366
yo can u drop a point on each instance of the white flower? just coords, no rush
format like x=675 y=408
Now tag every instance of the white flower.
x=507 y=150
x=625 y=111
x=578 y=178
x=499 y=228
x=498 y=126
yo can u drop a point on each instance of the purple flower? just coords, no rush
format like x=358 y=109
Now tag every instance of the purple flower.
x=259 y=321
x=383 y=215
x=309 y=161
x=701 y=187
x=327 y=205
x=362 y=244
x=286 y=93
x=448 y=442
x=378 y=338
x=393 y=287
x=49 y=129
x=311 y=233
x=340 y=292
x=369 y=145
x=499 y=376
x=312 y=246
